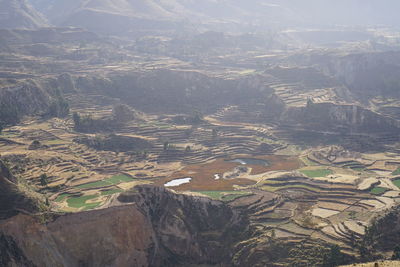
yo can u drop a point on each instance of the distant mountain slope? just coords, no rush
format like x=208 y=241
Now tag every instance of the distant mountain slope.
x=58 y=11
x=107 y=16
x=129 y=15
x=125 y=16
x=19 y=14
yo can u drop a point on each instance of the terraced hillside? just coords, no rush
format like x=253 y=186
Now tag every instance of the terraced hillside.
x=321 y=194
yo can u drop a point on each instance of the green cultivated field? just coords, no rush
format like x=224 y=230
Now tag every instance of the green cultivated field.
x=396 y=172
x=378 y=190
x=61 y=197
x=397 y=183
x=116 y=179
x=79 y=202
x=316 y=173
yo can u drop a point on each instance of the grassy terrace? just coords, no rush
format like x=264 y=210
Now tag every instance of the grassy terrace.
x=61 y=197
x=160 y=125
x=308 y=162
x=396 y=172
x=111 y=192
x=55 y=142
x=397 y=183
x=87 y=202
x=7 y=134
x=224 y=195
x=116 y=179
x=80 y=202
x=378 y=190
x=358 y=169
x=316 y=173
x=275 y=188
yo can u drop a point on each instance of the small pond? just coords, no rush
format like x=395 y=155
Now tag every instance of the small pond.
x=178 y=182
x=250 y=161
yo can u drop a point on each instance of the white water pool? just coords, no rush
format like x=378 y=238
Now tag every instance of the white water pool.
x=178 y=182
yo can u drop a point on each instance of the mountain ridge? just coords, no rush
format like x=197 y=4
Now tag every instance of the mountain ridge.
x=20 y=14
x=287 y=13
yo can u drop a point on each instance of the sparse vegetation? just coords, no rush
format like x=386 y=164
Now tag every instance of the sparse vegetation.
x=116 y=143
x=396 y=253
x=333 y=257
x=9 y=113
x=166 y=146
x=43 y=179
x=114 y=180
x=274 y=188
x=77 y=120
x=58 y=107
x=122 y=113
x=224 y=195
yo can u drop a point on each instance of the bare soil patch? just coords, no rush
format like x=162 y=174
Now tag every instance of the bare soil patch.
x=203 y=178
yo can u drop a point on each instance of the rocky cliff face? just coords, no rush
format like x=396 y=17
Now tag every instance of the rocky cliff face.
x=341 y=118
x=367 y=75
x=24 y=98
x=11 y=254
x=12 y=201
x=158 y=228
x=189 y=229
x=111 y=237
x=173 y=91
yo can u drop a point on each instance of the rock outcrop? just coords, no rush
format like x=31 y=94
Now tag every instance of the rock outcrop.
x=341 y=118
x=156 y=228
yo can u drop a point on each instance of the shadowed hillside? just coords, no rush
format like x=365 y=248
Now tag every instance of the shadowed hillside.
x=12 y=201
